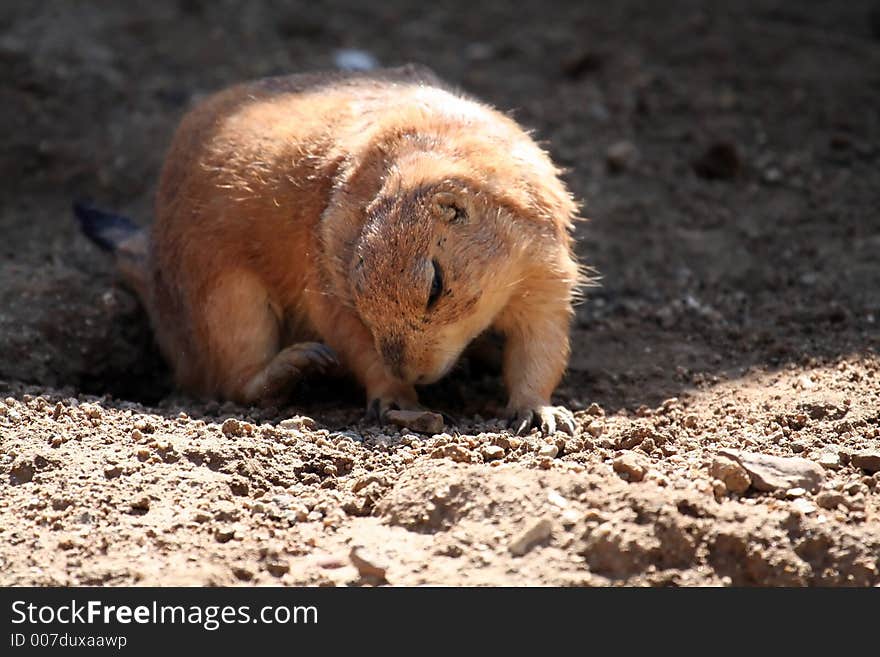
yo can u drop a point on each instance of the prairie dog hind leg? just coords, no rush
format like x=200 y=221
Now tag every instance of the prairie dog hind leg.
x=238 y=337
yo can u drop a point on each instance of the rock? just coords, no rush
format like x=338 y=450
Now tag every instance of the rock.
x=277 y=567
x=548 y=450
x=621 y=156
x=630 y=466
x=421 y=421
x=368 y=566
x=804 y=382
x=453 y=452
x=112 y=471
x=534 y=534
x=803 y=506
x=867 y=460
x=492 y=452
x=720 y=161
x=595 y=428
x=22 y=471
x=297 y=422
x=769 y=473
x=830 y=460
x=734 y=476
x=141 y=504
x=231 y=427
x=830 y=499
x=595 y=410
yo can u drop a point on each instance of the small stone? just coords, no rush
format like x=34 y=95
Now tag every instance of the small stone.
x=792 y=493
x=136 y=435
x=297 y=422
x=537 y=532
x=141 y=504
x=224 y=534
x=868 y=460
x=830 y=499
x=620 y=156
x=421 y=421
x=630 y=466
x=92 y=411
x=734 y=477
x=556 y=499
x=144 y=425
x=22 y=471
x=830 y=460
x=277 y=567
x=804 y=382
x=231 y=427
x=595 y=410
x=804 y=506
x=453 y=452
x=769 y=473
x=548 y=450
x=492 y=452
x=112 y=471
x=595 y=428
x=58 y=411
x=368 y=566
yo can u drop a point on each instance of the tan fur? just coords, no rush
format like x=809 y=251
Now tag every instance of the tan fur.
x=311 y=207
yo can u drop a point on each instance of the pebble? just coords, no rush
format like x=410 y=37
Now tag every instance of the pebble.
x=421 y=421
x=804 y=506
x=537 y=532
x=231 y=427
x=734 y=476
x=453 y=452
x=830 y=460
x=830 y=499
x=868 y=460
x=112 y=471
x=224 y=534
x=630 y=466
x=492 y=452
x=548 y=450
x=556 y=499
x=804 y=382
x=769 y=473
x=297 y=422
x=595 y=428
x=596 y=410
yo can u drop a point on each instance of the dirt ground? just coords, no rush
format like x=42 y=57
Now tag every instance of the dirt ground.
x=729 y=158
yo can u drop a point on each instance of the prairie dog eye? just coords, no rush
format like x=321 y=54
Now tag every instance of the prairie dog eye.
x=436 y=285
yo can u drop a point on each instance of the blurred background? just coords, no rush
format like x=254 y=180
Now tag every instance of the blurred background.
x=726 y=153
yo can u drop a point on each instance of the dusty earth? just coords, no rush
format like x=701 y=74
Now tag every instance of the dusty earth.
x=729 y=159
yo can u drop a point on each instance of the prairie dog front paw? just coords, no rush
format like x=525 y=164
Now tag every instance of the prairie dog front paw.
x=549 y=419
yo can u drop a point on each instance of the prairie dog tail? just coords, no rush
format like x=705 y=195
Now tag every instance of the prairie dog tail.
x=121 y=237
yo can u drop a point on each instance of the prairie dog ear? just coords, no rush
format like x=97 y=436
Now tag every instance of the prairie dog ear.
x=450 y=207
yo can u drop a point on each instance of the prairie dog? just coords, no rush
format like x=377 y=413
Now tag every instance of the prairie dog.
x=376 y=219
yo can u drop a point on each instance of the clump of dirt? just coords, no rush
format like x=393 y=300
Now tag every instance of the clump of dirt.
x=724 y=376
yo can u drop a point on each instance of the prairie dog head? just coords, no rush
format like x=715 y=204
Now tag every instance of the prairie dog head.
x=427 y=276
